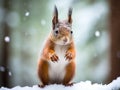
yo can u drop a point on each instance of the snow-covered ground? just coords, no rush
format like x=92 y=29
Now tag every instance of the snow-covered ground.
x=87 y=85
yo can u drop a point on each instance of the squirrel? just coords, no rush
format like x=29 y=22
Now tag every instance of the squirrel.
x=56 y=64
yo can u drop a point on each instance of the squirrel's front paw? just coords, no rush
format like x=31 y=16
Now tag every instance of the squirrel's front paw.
x=54 y=57
x=68 y=55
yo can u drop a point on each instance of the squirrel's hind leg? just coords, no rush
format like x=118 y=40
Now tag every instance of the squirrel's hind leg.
x=41 y=85
x=70 y=71
x=43 y=72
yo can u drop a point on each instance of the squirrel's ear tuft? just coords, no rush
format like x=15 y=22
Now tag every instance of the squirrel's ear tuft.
x=70 y=15
x=55 y=17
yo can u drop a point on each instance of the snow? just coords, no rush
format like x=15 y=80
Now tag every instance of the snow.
x=13 y=19
x=9 y=73
x=87 y=85
x=97 y=33
x=2 y=69
x=7 y=39
x=43 y=22
x=27 y=13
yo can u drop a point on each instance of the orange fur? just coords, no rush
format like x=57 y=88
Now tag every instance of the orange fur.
x=43 y=72
x=70 y=71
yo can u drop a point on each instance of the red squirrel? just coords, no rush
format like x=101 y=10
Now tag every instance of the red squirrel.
x=57 y=61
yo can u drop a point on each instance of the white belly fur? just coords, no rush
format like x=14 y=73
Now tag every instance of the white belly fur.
x=57 y=69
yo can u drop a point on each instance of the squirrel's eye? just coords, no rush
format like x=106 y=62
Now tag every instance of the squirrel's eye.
x=56 y=32
x=71 y=32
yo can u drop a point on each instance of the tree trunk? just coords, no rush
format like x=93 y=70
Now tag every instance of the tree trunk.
x=4 y=47
x=115 y=39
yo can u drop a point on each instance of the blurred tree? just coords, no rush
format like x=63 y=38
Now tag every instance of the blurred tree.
x=4 y=47
x=115 y=39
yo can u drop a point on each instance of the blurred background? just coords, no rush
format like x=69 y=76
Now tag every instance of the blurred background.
x=25 y=24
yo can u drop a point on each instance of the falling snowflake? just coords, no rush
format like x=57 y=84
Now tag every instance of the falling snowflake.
x=97 y=33
x=7 y=39
x=9 y=73
x=43 y=22
x=13 y=19
x=27 y=13
x=2 y=69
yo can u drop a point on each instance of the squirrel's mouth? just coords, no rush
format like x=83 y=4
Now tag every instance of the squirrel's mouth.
x=62 y=42
x=65 y=42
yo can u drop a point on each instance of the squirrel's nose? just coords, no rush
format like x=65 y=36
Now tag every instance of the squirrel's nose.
x=65 y=39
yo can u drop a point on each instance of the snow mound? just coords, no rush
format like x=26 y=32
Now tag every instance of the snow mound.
x=87 y=85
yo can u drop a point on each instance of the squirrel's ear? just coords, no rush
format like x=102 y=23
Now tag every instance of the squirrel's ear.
x=70 y=15
x=55 y=17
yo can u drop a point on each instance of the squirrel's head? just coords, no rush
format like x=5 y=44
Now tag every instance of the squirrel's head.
x=62 y=30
